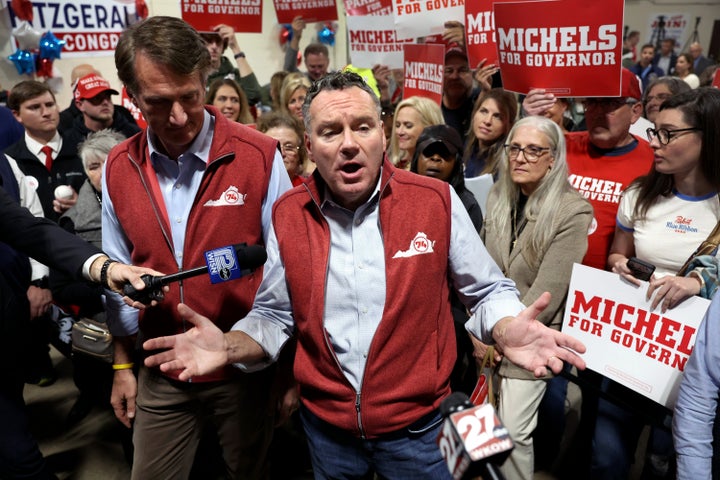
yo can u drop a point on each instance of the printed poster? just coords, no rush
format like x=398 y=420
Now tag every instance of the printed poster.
x=642 y=349
x=372 y=41
x=420 y=18
x=571 y=48
x=243 y=16
x=359 y=8
x=310 y=10
x=669 y=25
x=90 y=28
x=424 y=68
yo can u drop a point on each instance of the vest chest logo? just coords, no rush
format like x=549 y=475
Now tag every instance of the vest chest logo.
x=418 y=246
x=230 y=197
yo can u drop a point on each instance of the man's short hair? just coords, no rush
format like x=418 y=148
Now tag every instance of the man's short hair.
x=316 y=49
x=27 y=90
x=336 y=81
x=647 y=45
x=167 y=41
x=671 y=41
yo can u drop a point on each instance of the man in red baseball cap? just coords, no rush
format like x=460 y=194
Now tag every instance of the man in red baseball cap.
x=93 y=97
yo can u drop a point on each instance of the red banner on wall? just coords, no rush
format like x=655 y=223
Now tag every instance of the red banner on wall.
x=310 y=10
x=242 y=15
x=424 y=67
x=569 y=47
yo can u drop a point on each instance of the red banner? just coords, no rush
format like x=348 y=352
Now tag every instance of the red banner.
x=310 y=10
x=420 y=18
x=244 y=16
x=716 y=79
x=569 y=47
x=424 y=67
x=358 y=8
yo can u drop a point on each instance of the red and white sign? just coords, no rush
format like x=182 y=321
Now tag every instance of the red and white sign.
x=310 y=10
x=643 y=349
x=480 y=33
x=420 y=18
x=674 y=25
x=356 y=8
x=571 y=48
x=716 y=79
x=242 y=15
x=126 y=102
x=424 y=67
x=372 y=41
x=89 y=28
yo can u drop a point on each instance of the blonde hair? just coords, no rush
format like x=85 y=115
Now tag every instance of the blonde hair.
x=430 y=114
x=291 y=83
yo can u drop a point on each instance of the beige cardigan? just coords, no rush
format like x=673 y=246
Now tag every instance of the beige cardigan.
x=569 y=244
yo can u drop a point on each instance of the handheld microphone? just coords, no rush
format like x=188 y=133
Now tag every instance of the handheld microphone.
x=222 y=264
x=472 y=440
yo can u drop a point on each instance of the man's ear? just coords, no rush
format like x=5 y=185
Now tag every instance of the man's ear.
x=637 y=111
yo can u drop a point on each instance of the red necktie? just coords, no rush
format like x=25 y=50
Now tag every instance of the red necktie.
x=47 y=150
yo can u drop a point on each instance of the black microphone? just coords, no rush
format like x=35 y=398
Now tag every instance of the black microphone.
x=472 y=441
x=222 y=264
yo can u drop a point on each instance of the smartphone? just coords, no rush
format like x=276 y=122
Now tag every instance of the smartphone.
x=640 y=269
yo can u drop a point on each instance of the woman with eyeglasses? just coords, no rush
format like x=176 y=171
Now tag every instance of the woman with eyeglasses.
x=535 y=229
x=289 y=133
x=663 y=217
x=660 y=90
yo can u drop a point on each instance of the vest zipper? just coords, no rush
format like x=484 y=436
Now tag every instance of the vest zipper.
x=359 y=415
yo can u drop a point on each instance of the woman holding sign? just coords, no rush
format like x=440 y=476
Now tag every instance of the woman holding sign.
x=663 y=218
x=535 y=229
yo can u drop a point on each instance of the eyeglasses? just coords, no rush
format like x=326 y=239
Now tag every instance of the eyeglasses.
x=664 y=135
x=288 y=148
x=660 y=97
x=607 y=103
x=531 y=152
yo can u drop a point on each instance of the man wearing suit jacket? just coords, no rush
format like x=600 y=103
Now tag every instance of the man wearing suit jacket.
x=700 y=61
x=665 y=59
x=44 y=240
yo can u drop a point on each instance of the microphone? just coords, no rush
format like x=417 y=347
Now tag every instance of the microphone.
x=222 y=264
x=472 y=440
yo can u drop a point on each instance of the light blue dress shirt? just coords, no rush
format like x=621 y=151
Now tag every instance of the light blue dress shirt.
x=694 y=413
x=355 y=287
x=179 y=182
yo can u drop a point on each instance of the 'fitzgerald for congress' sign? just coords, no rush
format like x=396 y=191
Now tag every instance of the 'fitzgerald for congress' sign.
x=643 y=349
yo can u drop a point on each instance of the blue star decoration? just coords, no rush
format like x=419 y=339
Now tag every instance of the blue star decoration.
x=50 y=46
x=24 y=61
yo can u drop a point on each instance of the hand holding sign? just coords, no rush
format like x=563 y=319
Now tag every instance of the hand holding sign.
x=483 y=74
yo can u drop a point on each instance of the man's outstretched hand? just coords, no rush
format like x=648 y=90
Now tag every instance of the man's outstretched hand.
x=531 y=345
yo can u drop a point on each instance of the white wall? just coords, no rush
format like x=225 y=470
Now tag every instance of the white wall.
x=266 y=57
x=262 y=49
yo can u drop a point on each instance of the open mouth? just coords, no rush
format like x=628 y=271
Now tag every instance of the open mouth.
x=350 y=167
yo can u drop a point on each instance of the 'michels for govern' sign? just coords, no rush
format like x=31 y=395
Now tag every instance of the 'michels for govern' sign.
x=626 y=341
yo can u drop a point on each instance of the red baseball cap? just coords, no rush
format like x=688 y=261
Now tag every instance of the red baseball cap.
x=630 y=85
x=91 y=85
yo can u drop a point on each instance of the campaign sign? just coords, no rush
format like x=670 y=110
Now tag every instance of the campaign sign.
x=424 y=67
x=222 y=264
x=242 y=15
x=310 y=10
x=480 y=32
x=357 y=8
x=642 y=349
x=127 y=102
x=88 y=28
x=571 y=48
x=372 y=41
x=419 y=18
x=716 y=79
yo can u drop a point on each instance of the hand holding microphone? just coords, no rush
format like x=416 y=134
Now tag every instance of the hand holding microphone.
x=222 y=264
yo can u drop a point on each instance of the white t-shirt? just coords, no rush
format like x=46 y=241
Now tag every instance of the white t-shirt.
x=672 y=229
